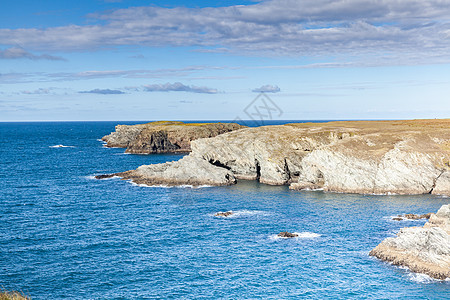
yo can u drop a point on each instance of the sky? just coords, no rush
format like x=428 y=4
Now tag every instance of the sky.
x=211 y=60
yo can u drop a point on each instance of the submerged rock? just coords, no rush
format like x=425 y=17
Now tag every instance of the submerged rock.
x=286 y=234
x=224 y=214
x=104 y=176
x=164 y=136
x=422 y=249
x=417 y=217
x=412 y=217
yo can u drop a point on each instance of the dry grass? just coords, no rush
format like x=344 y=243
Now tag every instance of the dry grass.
x=13 y=295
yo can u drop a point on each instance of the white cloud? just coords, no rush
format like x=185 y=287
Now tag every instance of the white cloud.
x=406 y=30
x=268 y=88
x=178 y=87
x=103 y=92
x=17 y=53
x=39 y=91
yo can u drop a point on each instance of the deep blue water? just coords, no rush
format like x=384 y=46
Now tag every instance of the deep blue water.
x=64 y=235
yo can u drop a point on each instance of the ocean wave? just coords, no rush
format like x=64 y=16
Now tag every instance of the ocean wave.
x=171 y=186
x=61 y=146
x=301 y=235
x=421 y=278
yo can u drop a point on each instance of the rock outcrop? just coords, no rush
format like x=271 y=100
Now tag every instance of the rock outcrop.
x=286 y=234
x=380 y=157
x=189 y=170
x=422 y=249
x=164 y=136
x=224 y=214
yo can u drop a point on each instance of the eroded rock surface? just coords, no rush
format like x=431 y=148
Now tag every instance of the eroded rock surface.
x=187 y=171
x=164 y=136
x=380 y=157
x=422 y=249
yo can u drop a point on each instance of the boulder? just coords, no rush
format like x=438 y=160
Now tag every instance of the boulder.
x=224 y=214
x=286 y=234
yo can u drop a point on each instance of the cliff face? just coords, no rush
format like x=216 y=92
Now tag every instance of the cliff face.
x=164 y=136
x=422 y=249
x=404 y=157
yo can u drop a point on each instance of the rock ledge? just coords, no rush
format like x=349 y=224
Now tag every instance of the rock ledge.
x=422 y=249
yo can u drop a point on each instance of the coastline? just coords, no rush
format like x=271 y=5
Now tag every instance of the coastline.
x=365 y=157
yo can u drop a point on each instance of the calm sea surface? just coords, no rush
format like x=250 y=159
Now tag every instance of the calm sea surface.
x=65 y=235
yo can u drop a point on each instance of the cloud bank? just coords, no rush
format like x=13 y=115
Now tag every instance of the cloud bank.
x=398 y=29
x=103 y=92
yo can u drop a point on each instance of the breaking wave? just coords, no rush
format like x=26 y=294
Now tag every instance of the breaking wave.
x=301 y=235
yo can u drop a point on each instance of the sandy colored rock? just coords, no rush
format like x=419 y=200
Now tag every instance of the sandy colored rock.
x=164 y=136
x=371 y=157
x=422 y=249
x=224 y=214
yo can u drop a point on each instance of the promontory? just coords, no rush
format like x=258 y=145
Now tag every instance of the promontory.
x=379 y=157
x=164 y=136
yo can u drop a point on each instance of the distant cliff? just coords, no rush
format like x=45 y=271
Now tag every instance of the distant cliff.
x=164 y=136
x=403 y=157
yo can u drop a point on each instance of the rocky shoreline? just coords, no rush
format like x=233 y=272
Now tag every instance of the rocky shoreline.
x=422 y=249
x=370 y=157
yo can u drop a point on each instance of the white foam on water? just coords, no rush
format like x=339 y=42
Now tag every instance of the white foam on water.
x=121 y=153
x=301 y=235
x=423 y=278
x=312 y=190
x=240 y=213
x=61 y=146
x=417 y=277
x=169 y=186
x=92 y=177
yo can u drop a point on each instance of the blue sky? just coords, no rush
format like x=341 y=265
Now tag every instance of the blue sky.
x=204 y=60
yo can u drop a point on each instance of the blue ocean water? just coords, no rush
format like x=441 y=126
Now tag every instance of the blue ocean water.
x=65 y=235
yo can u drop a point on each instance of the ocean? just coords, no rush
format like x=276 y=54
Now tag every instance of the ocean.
x=66 y=235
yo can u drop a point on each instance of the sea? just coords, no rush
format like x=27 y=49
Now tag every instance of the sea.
x=66 y=235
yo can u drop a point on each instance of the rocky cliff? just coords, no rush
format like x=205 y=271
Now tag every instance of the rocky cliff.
x=403 y=157
x=164 y=136
x=422 y=249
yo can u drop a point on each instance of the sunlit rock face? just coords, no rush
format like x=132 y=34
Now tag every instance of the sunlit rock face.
x=380 y=157
x=422 y=249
